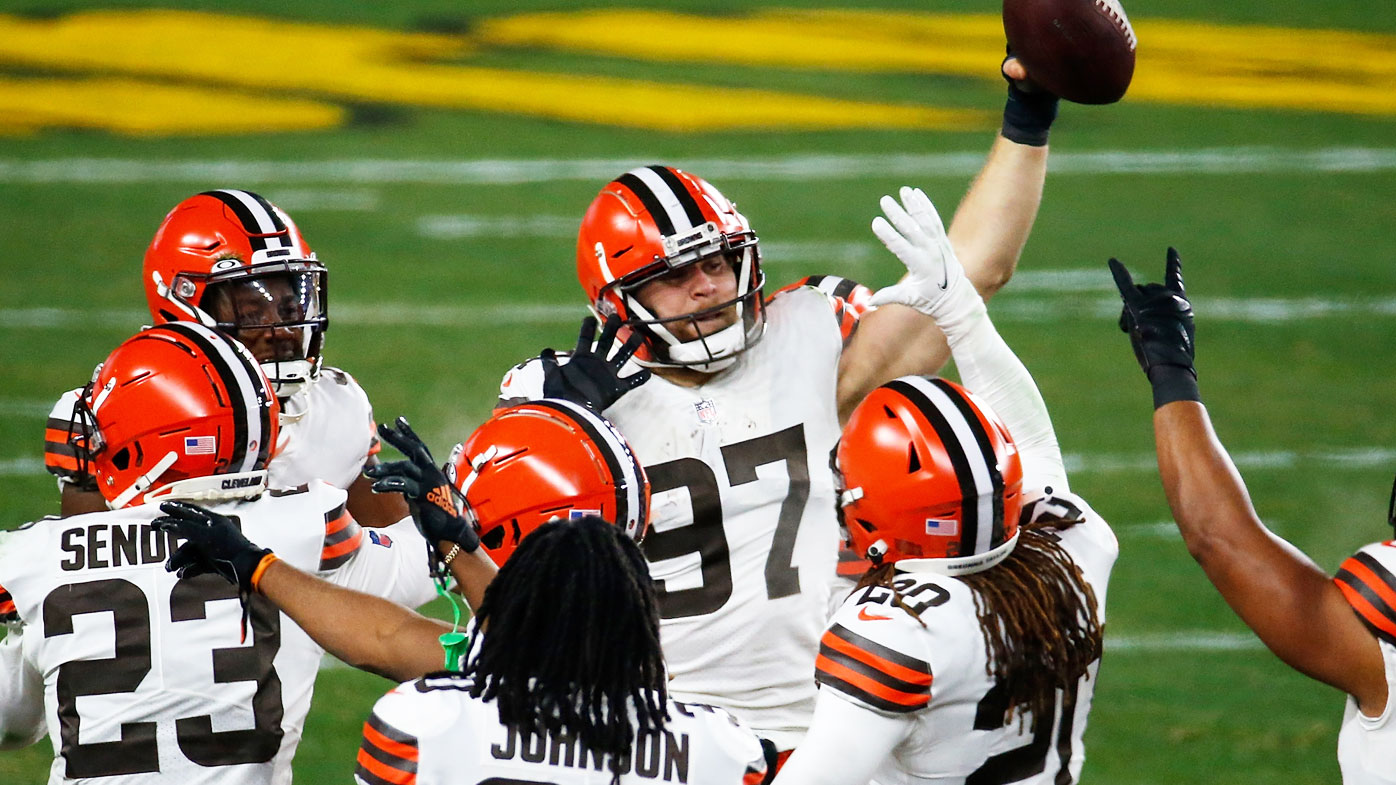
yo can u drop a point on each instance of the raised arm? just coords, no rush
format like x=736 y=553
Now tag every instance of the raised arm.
x=988 y=233
x=938 y=289
x=1290 y=604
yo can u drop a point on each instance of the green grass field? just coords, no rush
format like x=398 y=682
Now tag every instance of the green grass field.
x=446 y=218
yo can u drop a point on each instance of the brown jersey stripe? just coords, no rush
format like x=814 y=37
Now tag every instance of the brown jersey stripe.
x=387 y=756
x=1369 y=605
x=873 y=647
x=893 y=675
x=374 y=773
x=390 y=734
x=334 y=556
x=853 y=684
x=57 y=444
x=397 y=755
x=1376 y=578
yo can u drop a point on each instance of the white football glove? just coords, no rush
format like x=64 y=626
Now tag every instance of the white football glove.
x=935 y=283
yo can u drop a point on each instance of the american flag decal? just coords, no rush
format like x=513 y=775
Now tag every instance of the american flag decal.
x=944 y=527
x=198 y=445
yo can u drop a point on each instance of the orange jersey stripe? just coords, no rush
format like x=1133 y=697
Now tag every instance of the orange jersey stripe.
x=339 y=549
x=892 y=669
x=7 y=607
x=56 y=461
x=372 y=736
x=56 y=435
x=909 y=699
x=1371 y=580
x=337 y=525
x=384 y=771
x=1360 y=604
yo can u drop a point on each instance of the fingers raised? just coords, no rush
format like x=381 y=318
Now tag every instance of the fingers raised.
x=1173 y=272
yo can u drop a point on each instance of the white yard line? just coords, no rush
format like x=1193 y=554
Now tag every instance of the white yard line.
x=1189 y=640
x=1013 y=307
x=1222 y=160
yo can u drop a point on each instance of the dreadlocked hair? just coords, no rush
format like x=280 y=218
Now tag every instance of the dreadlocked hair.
x=1039 y=617
x=571 y=639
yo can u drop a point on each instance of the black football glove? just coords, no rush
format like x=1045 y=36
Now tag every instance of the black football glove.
x=589 y=378
x=1030 y=110
x=214 y=544
x=429 y=495
x=1159 y=320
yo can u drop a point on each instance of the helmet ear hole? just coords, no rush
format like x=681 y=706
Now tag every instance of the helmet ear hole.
x=914 y=462
x=493 y=538
x=122 y=459
x=868 y=527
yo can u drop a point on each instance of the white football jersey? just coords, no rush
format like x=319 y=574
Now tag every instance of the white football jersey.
x=1367 y=745
x=878 y=656
x=327 y=433
x=145 y=678
x=743 y=537
x=431 y=732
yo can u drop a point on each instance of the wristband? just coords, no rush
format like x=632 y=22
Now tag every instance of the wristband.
x=1028 y=116
x=1173 y=383
x=262 y=566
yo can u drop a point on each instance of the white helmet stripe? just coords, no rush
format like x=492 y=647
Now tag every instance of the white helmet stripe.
x=979 y=463
x=621 y=461
x=666 y=197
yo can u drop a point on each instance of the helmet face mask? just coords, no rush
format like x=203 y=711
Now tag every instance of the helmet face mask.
x=543 y=460
x=207 y=262
x=928 y=478
x=657 y=221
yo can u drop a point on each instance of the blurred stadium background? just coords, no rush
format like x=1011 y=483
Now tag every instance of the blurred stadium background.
x=438 y=154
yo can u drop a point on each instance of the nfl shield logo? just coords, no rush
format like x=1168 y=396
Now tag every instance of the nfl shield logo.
x=942 y=527
x=707 y=411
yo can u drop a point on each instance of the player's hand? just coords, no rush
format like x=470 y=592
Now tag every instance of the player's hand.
x=912 y=230
x=213 y=544
x=589 y=378
x=430 y=495
x=1030 y=110
x=1159 y=320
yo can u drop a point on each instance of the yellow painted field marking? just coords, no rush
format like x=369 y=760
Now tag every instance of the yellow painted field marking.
x=137 y=108
x=405 y=68
x=1180 y=62
x=178 y=72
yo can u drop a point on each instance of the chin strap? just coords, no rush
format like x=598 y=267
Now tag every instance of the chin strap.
x=144 y=481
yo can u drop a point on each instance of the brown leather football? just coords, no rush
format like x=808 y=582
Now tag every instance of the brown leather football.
x=1081 y=50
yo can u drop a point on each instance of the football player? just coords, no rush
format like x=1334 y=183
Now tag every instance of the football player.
x=140 y=675
x=745 y=402
x=231 y=260
x=976 y=636
x=1340 y=631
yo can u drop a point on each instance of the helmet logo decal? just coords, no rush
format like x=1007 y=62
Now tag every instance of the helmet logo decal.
x=601 y=261
x=199 y=445
x=226 y=263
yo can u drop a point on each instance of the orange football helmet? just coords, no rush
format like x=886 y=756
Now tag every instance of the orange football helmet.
x=654 y=220
x=928 y=477
x=177 y=411
x=232 y=260
x=546 y=459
